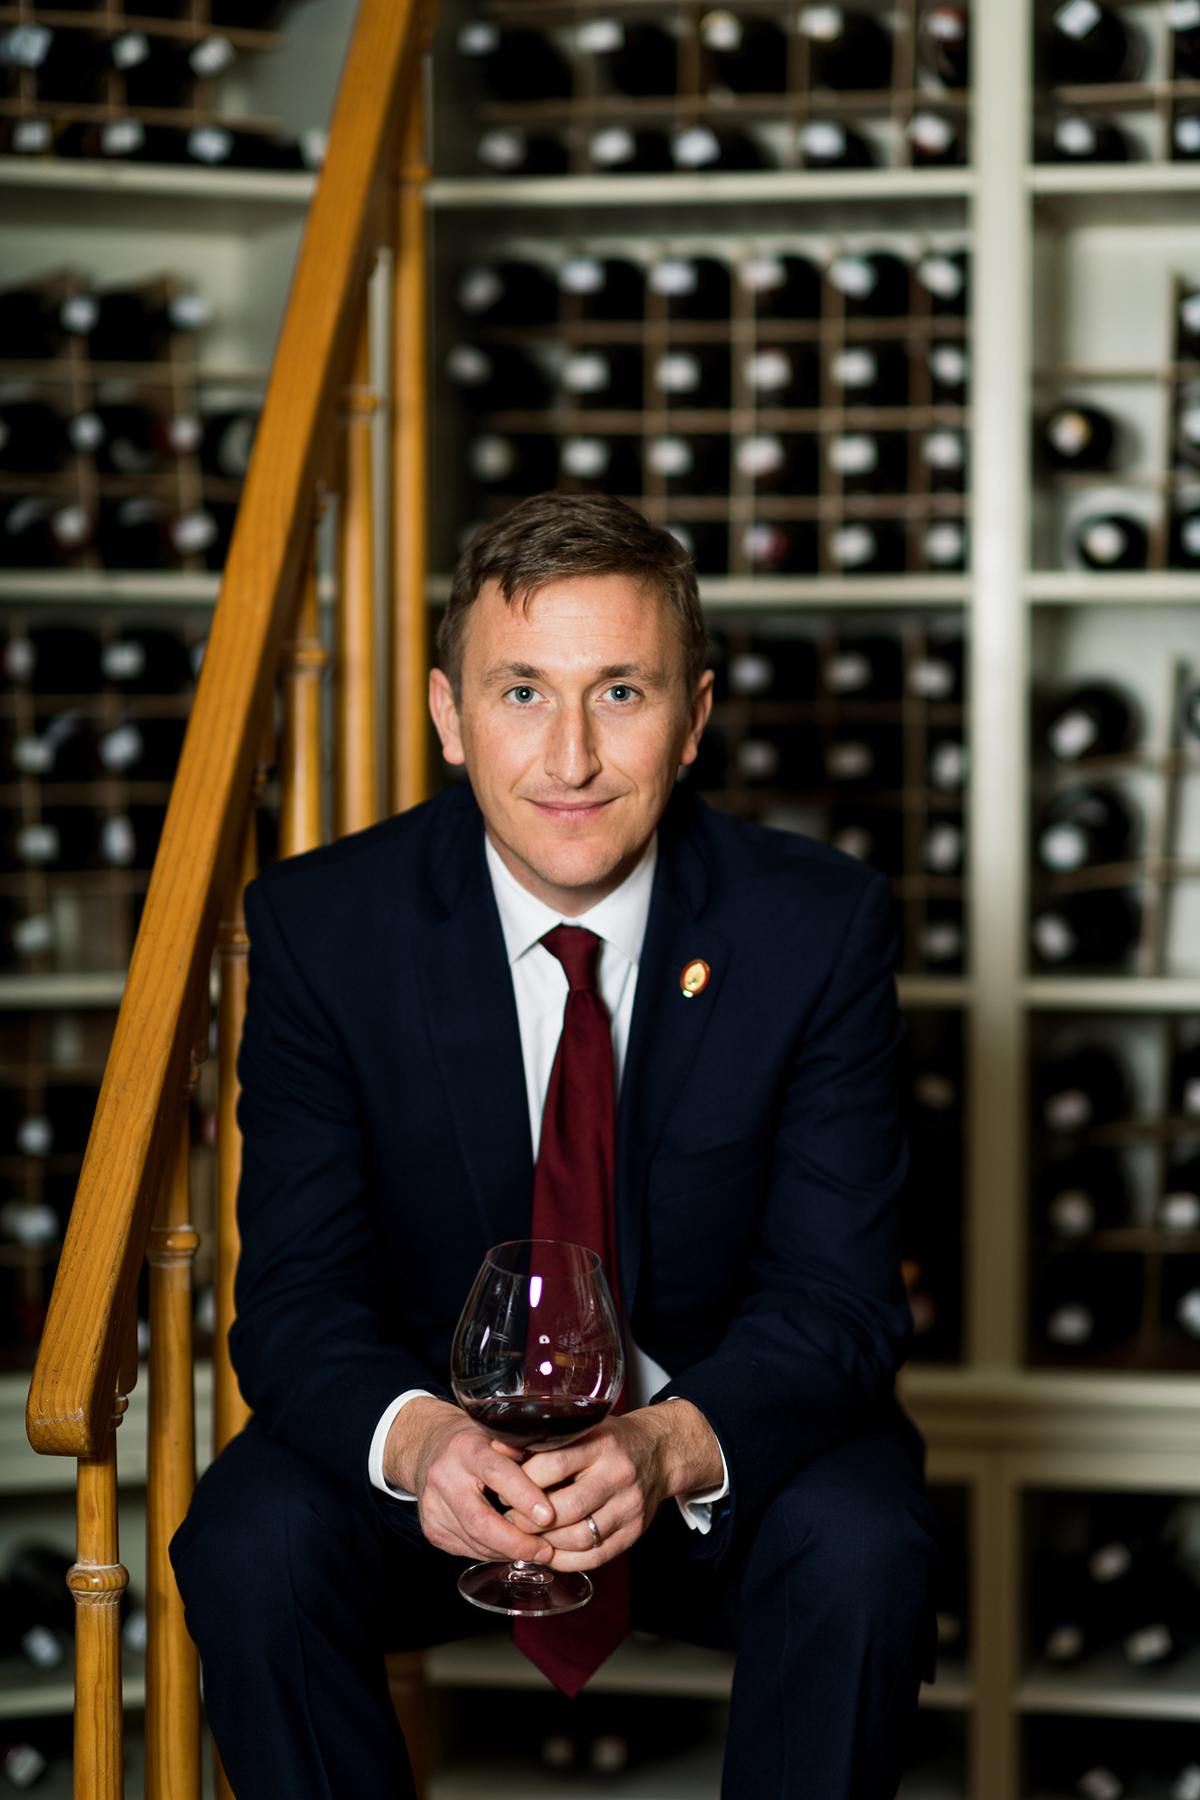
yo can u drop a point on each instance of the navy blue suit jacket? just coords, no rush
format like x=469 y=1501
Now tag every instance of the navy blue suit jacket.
x=759 y=1152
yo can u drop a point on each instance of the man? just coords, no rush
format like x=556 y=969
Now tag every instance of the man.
x=419 y=994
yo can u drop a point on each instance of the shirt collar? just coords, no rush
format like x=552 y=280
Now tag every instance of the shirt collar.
x=620 y=918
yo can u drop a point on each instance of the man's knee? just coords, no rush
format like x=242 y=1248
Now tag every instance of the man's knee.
x=259 y=1513
x=854 y=1525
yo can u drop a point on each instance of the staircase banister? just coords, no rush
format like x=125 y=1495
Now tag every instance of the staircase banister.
x=70 y=1399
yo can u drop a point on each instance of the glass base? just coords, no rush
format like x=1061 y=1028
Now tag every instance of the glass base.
x=523 y=1590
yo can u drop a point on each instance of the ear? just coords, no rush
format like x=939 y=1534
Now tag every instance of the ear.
x=698 y=713
x=445 y=716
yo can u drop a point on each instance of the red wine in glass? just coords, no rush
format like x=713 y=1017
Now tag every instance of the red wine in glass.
x=538 y=1362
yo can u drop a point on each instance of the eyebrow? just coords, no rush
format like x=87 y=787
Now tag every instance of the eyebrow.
x=516 y=671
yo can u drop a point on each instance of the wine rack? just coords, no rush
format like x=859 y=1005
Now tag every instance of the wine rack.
x=712 y=91
x=128 y=469
x=878 y=769
x=1129 y=94
x=827 y=486
x=126 y=87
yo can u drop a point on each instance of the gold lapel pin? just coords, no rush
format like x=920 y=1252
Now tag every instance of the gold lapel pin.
x=694 y=979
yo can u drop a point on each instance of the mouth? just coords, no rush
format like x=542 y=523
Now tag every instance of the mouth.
x=572 y=812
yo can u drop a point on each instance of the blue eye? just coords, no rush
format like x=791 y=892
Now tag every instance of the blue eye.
x=620 y=692
x=524 y=693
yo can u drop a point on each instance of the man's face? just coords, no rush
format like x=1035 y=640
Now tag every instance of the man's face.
x=573 y=720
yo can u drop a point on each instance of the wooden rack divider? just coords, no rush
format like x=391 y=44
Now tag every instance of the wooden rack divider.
x=133 y=1192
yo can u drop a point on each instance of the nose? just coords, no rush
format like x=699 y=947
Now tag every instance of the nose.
x=571 y=757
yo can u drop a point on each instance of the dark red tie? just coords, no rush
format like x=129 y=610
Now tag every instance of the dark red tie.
x=573 y=1203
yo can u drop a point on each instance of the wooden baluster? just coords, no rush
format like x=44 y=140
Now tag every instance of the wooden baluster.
x=97 y=1582
x=172 y=1666
x=304 y=659
x=410 y=463
x=356 y=788
x=230 y=1411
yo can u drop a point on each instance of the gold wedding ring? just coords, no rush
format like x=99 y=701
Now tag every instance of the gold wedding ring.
x=595 y=1531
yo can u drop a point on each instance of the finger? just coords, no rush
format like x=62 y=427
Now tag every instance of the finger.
x=505 y=1450
x=577 y=1540
x=549 y=1467
x=459 y=1504
x=509 y=1481
x=570 y=1561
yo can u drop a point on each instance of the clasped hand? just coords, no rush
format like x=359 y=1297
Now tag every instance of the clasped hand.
x=618 y=1475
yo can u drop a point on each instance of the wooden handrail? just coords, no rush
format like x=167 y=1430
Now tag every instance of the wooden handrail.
x=70 y=1405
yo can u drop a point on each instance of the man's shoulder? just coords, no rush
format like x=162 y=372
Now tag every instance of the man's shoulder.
x=394 y=859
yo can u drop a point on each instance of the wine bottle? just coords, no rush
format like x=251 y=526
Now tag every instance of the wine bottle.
x=944 y=454
x=1187 y=424
x=640 y=60
x=1185 y=137
x=611 y=465
x=707 y=543
x=1089 y=1303
x=868 y=756
x=1111 y=541
x=943 y=44
x=512 y=465
x=67 y=62
x=701 y=147
x=55 y=750
x=947 y=764
x=609 y=288
x=1089 y=45
x=507 y=293
x=1087 y=138
x=949 y=372
x=781 y=669
x=872 y=286
x=830 y=144
x=1179 y=1207
x=1083 y=1192
x=940 y=939
x=1087 y=930
x=869 y=462
x=779 y=756
x=865 y=668
x=1183 y=16
x=226 y=441
x=27 y=137
x=495 y=379
x=1080 y=438
x=944 y=276
x=507 y=150
x=32 y=438
x=609 y=377
x=64 y=838
x=780 y=462
x=142 y=750
x=1082 y=1090
x=690 y=465
x=251 y=15
x=772 y=548
x=694 y=287
x=782 y=375
x=1096 y=719
x=131 y=440
x=938 y=676
x=38 y=531
x=694 y=378
x=935 y=141
x=515 y=65
x=145 y=659
x=31 y=328
x=871 y=835
x=871 y=374
x=1085 y=828
x=784 y=287
x=858 y=548
x=135 y=325
x=132 y=534
x=847 y=50
x=748 y=56
x=944 y=846
x=1185 y=540
x=618 y=150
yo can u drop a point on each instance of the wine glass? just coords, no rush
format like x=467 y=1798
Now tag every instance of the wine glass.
x=537 y=1359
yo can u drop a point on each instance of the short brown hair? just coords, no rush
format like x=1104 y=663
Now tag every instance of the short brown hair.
x=555 y=535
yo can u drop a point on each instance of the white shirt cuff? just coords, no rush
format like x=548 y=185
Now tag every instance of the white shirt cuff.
x=697 y=1508
x=379 y=1441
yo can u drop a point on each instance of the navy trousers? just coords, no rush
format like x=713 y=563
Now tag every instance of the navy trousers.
x=295 y=1585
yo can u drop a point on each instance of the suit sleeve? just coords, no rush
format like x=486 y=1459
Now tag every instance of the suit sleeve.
x=309 y=1342
x=810 y=1359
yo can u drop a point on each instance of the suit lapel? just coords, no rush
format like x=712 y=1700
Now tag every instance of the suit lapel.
x=667 y=1026
x=472 y=1018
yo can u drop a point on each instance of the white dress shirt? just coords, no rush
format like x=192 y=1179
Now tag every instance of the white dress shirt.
x=540 y=987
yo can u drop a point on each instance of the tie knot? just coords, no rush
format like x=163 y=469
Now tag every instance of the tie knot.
x=578 y=951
